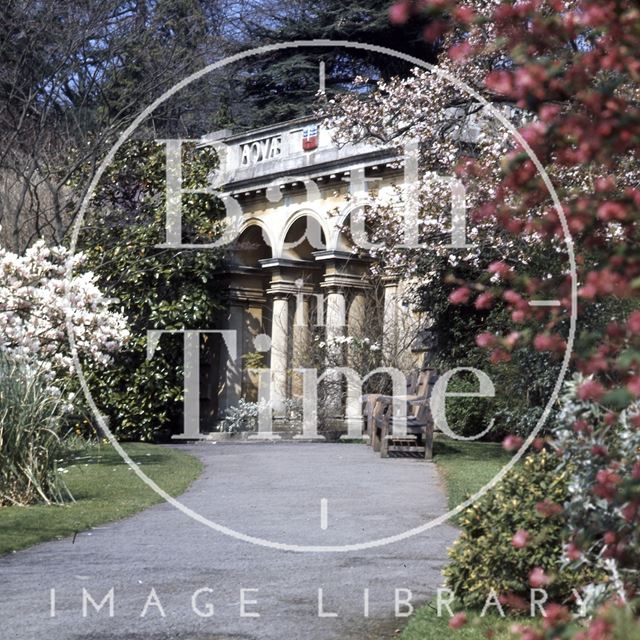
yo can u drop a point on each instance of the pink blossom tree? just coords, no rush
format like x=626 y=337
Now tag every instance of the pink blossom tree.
x=567 y=75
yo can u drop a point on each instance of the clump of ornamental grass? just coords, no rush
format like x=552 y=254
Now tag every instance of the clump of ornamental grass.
x=31 y=442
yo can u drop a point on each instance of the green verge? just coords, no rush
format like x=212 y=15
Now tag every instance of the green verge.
x=104 y=488
x=465 y=468
x=427 y=625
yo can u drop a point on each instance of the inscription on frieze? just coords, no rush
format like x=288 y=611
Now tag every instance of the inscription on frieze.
x=260 y=150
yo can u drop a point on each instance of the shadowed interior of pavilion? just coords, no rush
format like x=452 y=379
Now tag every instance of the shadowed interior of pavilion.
x=288 y=301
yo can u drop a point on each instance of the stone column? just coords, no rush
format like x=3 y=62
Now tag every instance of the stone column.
x=357 y=312
x=301 y=328
x=356 y=321
x=342 y=272
x=335 y=326
x=232 y=369
x=390 y=329
x=301 y=338
x=336 y=313
x=253 y=327
x=279 y=339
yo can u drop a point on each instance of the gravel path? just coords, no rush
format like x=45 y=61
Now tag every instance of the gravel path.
x=269 y=490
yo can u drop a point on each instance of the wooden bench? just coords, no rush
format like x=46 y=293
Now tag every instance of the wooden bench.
x=369 y=401
x=418 y=437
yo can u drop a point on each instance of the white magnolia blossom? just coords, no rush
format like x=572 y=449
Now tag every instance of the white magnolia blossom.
x=39 y=292
x=450 y=125
x=338 y=341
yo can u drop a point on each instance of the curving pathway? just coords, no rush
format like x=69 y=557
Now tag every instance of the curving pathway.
x=299 y=493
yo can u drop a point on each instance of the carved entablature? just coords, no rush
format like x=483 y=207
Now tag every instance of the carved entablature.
x=255 y=151
x=295 y=148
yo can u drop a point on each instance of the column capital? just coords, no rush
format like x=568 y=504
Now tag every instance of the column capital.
x=338 y=282
x=282 y=289
x=287 y=264
x=343 y=270
x=238 y=296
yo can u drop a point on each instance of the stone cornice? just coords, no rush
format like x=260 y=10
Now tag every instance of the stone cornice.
x=287 y=263
x=244 y=180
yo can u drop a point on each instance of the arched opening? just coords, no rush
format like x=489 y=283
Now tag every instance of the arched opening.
x=304 y=236
x=250 y=247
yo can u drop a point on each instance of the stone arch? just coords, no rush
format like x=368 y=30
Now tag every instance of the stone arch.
x=254 y=242
x=341 y=240
x=298 y=239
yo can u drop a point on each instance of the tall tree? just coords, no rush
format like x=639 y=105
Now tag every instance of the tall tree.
x=74 y=74
x=284 y=85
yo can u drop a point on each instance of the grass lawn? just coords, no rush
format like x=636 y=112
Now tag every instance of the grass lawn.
x=425 y=624
x=105 y=489
x=465 y=467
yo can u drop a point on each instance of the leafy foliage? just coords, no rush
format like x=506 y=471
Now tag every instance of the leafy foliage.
x=604 y=492
x=75 y=74
x=612 y=621
x=157 y=288
x=571 y=69
x=575 y=67
x=485 y=558
x=468 y=416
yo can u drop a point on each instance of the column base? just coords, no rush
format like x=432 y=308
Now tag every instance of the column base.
x=347 y=438
x=355 y=428
x=264 y=436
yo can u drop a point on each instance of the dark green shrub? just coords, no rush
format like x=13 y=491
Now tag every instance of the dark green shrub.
x=156 y=287
x=468 y=416
x=484 y=557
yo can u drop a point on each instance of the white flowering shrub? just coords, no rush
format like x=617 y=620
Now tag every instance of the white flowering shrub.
x=419 y=108
x=241 y=417
x=244 y=415
x=39 y=292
